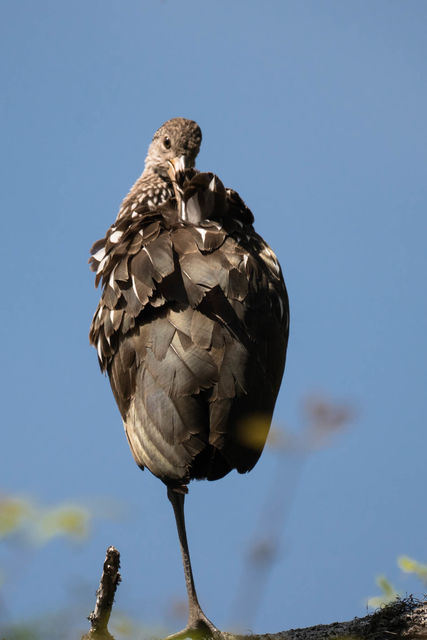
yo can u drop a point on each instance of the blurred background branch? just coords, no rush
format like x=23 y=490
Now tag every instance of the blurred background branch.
x=322 y=418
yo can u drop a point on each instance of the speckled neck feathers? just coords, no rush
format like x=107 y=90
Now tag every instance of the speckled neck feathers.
x=176 y=138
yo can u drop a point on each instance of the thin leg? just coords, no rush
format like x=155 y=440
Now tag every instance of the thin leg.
x=197 y=621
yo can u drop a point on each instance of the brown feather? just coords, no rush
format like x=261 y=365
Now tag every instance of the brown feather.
x=192 y=330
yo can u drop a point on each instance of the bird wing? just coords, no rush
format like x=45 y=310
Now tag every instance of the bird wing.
x=192 y=328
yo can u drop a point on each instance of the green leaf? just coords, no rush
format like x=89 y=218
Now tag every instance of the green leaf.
x=389 y=593
x=409 y=565
x=13 y=514
x=65 y=520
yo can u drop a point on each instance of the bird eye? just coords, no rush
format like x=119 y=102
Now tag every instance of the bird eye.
x=166 y=142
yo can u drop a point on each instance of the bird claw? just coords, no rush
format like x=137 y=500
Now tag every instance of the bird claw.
x=200 y=629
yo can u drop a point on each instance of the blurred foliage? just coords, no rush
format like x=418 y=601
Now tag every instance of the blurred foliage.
x=253 y=430
x=13 y=513
x=123 y=627
x=408 y=565
x=70 y=625
x=24 y=523
x=389 y=593
x=68 y=520
x=32 y=523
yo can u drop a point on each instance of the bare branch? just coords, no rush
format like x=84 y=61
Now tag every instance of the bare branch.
x=104 y=598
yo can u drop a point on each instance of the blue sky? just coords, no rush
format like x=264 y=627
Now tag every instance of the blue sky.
x=315 y=113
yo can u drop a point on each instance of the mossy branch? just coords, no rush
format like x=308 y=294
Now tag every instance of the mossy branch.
x=401 y=620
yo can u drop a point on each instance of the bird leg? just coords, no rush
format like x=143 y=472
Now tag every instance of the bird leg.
x=198 y=626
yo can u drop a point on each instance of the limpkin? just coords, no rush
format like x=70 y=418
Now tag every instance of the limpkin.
x=192 y=326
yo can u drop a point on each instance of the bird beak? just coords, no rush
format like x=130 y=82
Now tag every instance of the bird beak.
x=176 y=165
x=176 y=174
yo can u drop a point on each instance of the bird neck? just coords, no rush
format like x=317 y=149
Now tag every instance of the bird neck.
x=151 y=188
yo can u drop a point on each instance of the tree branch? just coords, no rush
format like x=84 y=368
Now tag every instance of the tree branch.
x=104 y=598
x=401 y=620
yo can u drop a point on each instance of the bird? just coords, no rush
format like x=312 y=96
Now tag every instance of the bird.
x=192 y=327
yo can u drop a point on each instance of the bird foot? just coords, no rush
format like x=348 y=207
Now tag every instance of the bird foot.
x=199 y=629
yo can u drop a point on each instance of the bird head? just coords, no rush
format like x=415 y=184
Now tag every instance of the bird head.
x=177 y=139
